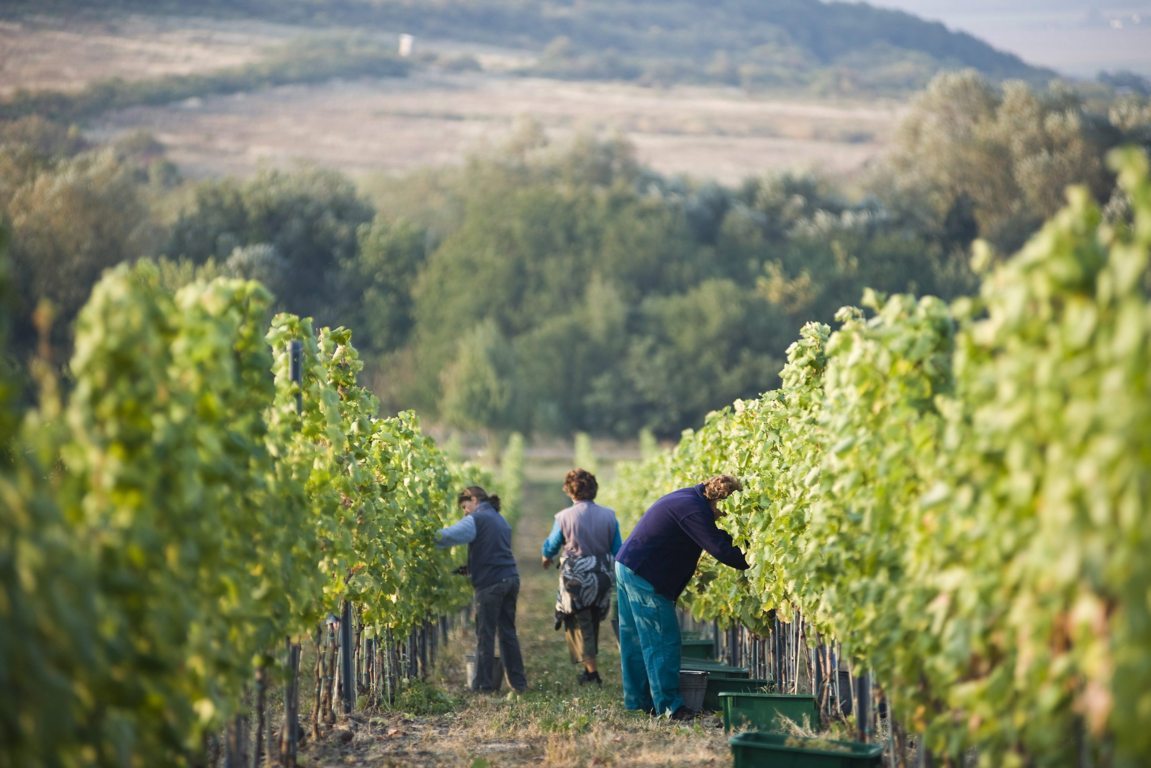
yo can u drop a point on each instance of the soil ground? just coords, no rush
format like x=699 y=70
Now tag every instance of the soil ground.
x=433 y=117
x=556 y=723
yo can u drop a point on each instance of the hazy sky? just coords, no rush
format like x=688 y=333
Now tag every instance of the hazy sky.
x=1075 y=37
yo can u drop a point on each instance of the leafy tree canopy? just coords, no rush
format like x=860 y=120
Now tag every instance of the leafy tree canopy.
x=557 y=288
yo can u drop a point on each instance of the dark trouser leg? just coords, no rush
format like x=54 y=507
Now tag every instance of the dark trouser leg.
x=509 y=643
x=487 y=618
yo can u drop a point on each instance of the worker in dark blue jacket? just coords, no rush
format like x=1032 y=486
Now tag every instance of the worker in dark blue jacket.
x=652 y=569
x=492 y=568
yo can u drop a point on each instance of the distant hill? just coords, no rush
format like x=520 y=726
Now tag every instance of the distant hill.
x=1080 y=38
x=808 y=45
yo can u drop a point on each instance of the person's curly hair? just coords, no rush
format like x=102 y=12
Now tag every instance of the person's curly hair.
x=581 y=485
x=720 y=487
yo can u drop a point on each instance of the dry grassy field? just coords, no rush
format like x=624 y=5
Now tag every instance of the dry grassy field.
x=433 y=117
x=52 y=53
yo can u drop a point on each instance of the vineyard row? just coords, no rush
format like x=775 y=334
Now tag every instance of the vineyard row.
x=960 y=494
x=195 y=499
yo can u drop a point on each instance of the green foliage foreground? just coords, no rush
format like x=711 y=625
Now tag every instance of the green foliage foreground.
x=959 y=493
x=188 y=507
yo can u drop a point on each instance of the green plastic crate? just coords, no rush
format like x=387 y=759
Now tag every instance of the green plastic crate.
x=716 y=668
x=691 y=648
x=717 y=685
x=762 y=710
x=773 y=750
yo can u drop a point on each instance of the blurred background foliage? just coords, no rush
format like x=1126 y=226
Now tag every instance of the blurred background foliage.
x=547 y=287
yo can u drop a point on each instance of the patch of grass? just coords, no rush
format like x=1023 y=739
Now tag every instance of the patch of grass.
x=417 y=697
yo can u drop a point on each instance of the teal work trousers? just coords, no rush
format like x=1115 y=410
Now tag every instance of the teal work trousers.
x=649 y=645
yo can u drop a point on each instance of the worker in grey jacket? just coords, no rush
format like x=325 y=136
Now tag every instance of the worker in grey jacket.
x=588 y=536
x=492 y=568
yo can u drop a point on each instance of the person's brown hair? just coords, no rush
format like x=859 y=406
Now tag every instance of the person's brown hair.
x=581 y=485
x=720 y=487
x=479 y=494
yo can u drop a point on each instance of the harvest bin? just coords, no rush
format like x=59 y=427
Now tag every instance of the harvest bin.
x=774 y=750
x=717 y=685
x=762 y=711
x=692 y=686
x=691 y=648
x=713 y=667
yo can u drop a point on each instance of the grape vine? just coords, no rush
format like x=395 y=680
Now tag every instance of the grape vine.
x=959 y=494
x=175 y=516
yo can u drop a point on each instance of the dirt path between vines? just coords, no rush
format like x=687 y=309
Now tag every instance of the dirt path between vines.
x=557 y=723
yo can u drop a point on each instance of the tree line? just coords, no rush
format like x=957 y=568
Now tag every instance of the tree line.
x=550 y=288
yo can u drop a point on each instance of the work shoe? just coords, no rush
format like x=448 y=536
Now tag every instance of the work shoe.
x=684 y=713
x=590 y=677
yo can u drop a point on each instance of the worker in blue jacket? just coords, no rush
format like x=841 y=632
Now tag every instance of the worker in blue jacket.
x=492 y=568
x=652 y=569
